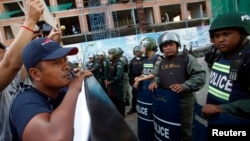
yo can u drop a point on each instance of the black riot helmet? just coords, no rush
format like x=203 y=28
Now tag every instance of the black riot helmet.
x=168 y=37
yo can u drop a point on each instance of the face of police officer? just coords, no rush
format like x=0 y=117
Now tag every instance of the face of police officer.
x=227 y=40
x=99 y=57
x=170 y=49
x=91 y=59
x=138 y=53
x=111 y=56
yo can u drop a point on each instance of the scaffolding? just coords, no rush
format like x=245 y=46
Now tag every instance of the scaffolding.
x=141 y=16
x=100 y=21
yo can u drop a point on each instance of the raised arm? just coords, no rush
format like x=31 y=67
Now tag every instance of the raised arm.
x=12 y=61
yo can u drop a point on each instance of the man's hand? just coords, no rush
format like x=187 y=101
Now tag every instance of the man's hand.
x=177 y=88
x=55 y=35
x=210 y=109
x=34 y=10
x=153 y=86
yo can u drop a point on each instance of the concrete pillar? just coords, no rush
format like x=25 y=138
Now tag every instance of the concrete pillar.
x=83 y=23
x=157 y=14
x=79 y=3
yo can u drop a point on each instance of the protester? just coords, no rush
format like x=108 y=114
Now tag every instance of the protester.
x=11 y=63
x=41 y=112
x=180 y=73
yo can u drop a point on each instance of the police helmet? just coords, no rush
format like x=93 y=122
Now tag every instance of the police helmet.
x=115 y=52
x=231 y=20
x=120 y=51
x=167 y=37
x=149 y=43
x=100 y=53
x=91 y=56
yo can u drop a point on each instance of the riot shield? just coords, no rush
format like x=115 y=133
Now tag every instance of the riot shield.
x=107 y=124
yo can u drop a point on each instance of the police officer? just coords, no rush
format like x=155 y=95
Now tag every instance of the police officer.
x=135 y=70
x=114 y=81
x=103 y=69
x=125 y=83
x=229 y=85
x=93 y=65
x=149 y=49
x=182 y=74
x=144 y=95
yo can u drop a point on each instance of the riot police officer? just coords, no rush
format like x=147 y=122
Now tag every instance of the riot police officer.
x=149 y=49
x=181 y=74
x=114 y=81
x=229 y=85
x=103 y=69
x=93 y=65
x=135 y=70
x=125 y=83
x=144 y=95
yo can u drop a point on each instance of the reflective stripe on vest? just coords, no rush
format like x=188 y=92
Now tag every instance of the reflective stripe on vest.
x=217 y=92
x=221 y=67
x=148 y=66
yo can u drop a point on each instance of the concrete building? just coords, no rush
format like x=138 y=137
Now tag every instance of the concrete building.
x=88 y=20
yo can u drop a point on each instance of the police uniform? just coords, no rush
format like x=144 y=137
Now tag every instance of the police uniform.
x=229 y=85
x=125 y=83
x=103 y=72
x=115 y=85
x=135 y=70
x=185 y=70
x=227 y=93
x=93 y=67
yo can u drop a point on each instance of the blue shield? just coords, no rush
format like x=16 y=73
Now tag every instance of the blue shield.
x=166 y=112
x=145 y=114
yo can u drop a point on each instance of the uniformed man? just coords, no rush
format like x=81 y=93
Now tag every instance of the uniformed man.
x=135 y=70
x=149 y=49
x=93 y=65
x=114 y=81
x=181 y=74
x=145 y=96
x=125 y=83
x=103 y=69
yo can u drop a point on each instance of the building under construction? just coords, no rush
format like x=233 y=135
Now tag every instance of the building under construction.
x=89 y=20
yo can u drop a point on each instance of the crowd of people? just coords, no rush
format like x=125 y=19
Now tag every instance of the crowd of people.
x=44 y=110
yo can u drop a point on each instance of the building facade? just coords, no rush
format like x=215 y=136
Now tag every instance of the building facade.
x=88 y=20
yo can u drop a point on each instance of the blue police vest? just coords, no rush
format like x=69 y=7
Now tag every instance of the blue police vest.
x=148 y=64
x=221 y=89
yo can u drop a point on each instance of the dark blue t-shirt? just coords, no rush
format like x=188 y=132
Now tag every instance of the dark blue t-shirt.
x=26 y=105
